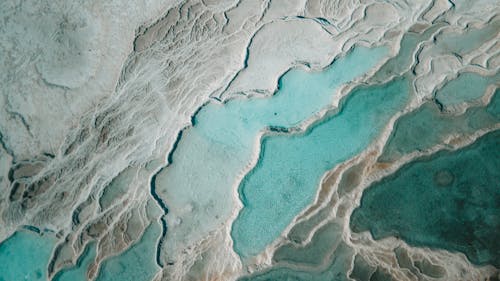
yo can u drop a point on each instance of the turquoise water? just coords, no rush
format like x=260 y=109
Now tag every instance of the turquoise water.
x=25 y=256
x=78 y=272
x=286 y=177
x=361 y=270
x=467 y=41
x=493 y=108
x=300 y=231
x=211 y=155
x=466 y=87
x=316 y=252
x=117 y=188
x=450 y=201
x=428 y=126
x=334 y=271
x=137 y=263
x=403 y=60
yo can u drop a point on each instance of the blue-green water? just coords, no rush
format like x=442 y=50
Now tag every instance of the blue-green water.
x=25 y=256
x=403 y=60
x=428 y=126
x=466 y=87
x=450 y=201
x=324 y=240
x=211 y=155
x=467 y=41
x=137 y=263
x=361 y=270
x=78 y=272
x=334 y=271
x=287 y=175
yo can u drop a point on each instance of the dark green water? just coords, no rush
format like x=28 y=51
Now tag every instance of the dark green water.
x=449 y=201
